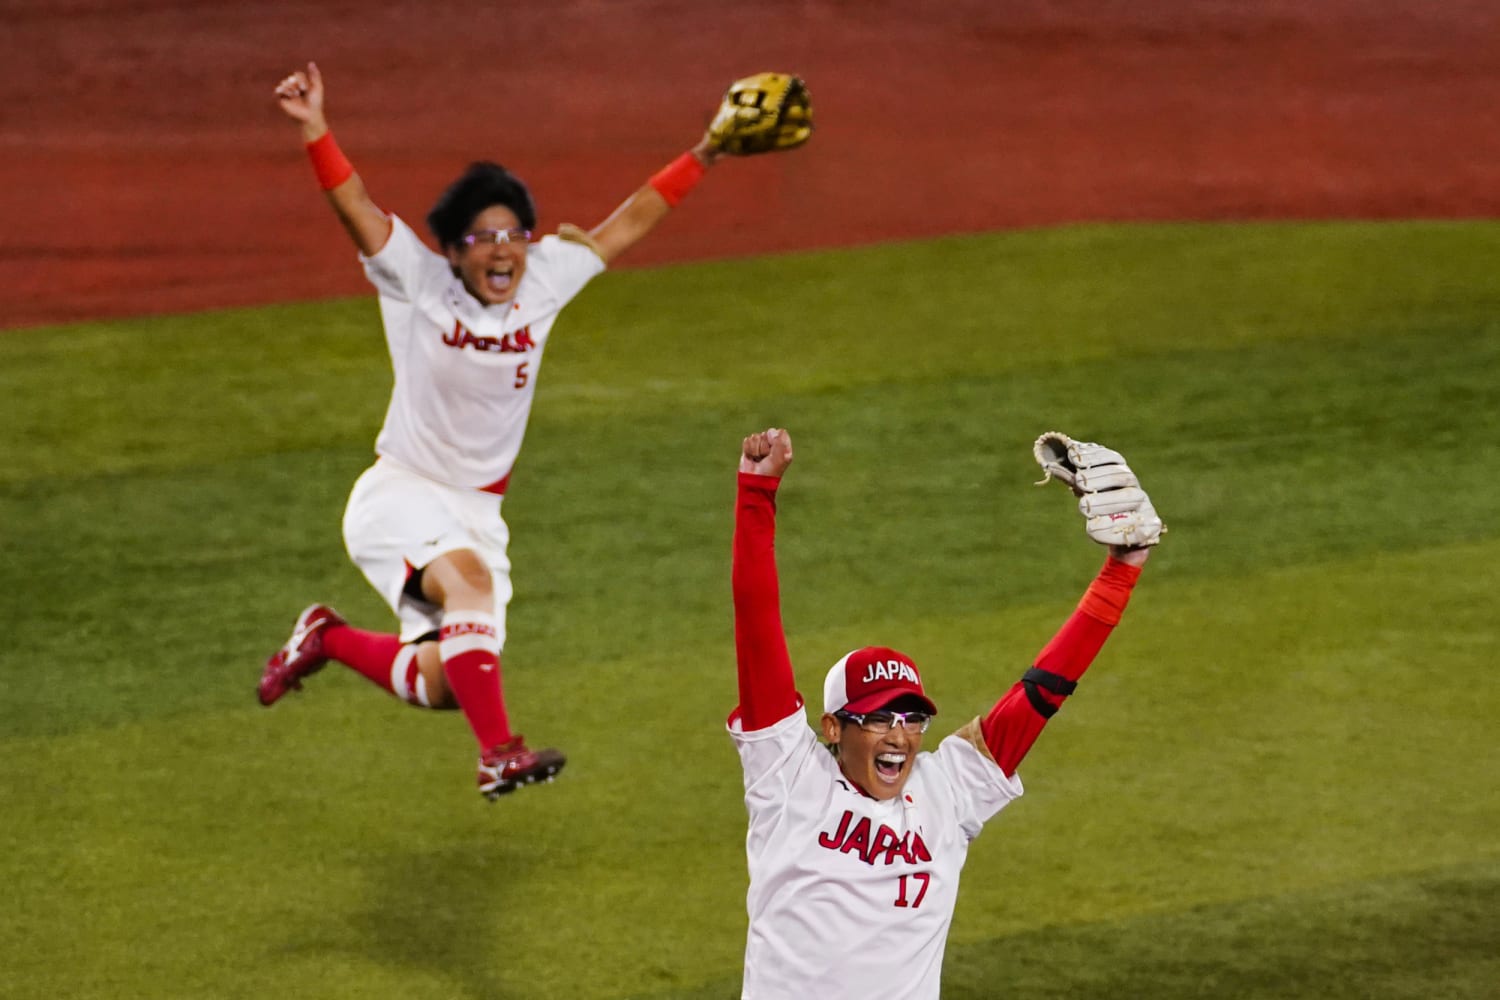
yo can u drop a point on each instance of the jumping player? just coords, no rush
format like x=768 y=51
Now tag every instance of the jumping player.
x=855 y=855
x=465 y=328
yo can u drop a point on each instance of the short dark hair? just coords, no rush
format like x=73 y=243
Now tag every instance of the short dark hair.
x=482 y=185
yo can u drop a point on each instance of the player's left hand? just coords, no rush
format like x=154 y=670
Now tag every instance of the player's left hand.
x=1118 y=512
x=1131 y=555
x=767 y=453
x=764 y=113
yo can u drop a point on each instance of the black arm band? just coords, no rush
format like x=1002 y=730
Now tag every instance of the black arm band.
x=1056 y=683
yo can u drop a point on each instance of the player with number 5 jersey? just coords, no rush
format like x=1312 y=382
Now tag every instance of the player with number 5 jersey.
x=855 y=848
x=466 y=327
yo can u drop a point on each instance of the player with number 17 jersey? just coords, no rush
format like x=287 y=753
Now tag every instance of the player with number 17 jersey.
x=855 y=847
x=875 y=880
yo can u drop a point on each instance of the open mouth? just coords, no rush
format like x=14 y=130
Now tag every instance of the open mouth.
x=499 y=282
x=888 y=765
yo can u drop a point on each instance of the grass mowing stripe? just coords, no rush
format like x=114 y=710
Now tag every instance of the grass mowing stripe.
x=1015 y=301
x=1258 y=457
x=166 y=392
x=1414 y=937
x=1410 y=938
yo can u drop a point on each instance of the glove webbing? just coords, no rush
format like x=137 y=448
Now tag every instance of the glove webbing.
x=1056 y=683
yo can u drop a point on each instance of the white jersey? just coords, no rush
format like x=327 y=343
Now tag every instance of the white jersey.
x=850 y=895
x=465 y=373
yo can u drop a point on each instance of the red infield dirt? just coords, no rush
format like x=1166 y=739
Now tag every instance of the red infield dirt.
x=147 y=169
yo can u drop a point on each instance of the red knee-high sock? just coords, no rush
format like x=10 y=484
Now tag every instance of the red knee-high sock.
x=382 y=658
x=470 y=648
x=370 y=653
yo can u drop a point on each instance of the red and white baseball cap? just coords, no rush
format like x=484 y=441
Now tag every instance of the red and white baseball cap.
x=871 y=678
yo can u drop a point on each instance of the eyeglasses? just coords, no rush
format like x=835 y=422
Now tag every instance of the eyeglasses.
x=491 y=236
x=884 y=722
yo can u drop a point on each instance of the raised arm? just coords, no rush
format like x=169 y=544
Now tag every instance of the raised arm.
x=767 y=689
x=652 y=202
x=1017 y=719
x=1117 y=513
x=763 y=113
x=300 y=95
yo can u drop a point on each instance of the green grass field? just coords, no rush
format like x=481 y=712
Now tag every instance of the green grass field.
x=1280 y=780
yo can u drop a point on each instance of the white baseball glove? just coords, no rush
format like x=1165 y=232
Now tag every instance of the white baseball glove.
x=1117 y=510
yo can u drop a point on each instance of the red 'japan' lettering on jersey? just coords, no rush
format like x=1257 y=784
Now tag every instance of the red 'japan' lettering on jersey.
x=518 y=342
x=909 y=846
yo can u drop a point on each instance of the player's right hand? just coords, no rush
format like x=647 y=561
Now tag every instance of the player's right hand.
x=767 y=453
x=300 y=95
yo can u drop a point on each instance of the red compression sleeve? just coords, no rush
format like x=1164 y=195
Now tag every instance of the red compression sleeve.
x=676 y=179
x=768 y=692
x=329 y=162
x=1013 y=725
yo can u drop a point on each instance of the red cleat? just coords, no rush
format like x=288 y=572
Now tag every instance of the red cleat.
x=300 y=657
x=510 y=765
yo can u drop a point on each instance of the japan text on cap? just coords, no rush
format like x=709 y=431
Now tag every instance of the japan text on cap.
x=871 y=678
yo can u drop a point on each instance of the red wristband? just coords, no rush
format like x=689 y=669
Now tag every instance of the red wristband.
x=329 y=162
x=1110 y=592
x=677 y=178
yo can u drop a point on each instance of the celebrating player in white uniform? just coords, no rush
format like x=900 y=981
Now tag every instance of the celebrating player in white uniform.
x=855 y=855
x=466 y=329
